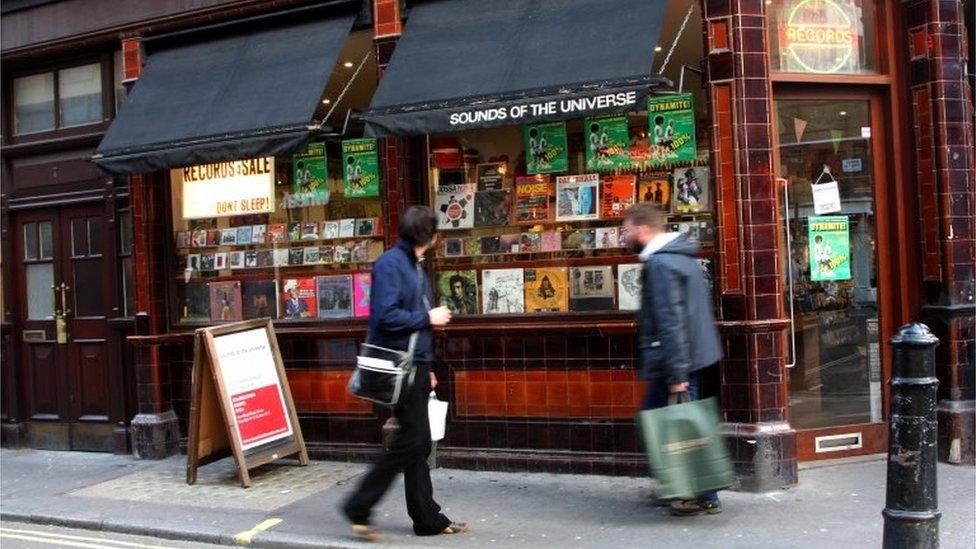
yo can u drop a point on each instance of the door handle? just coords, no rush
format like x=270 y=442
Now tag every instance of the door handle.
x=60 y=323
x=54 y=301
x=64 y=302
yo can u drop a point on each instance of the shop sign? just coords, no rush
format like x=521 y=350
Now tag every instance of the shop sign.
x=607 y=142
x=671 y=119
x=546 y=150
x=224 y=189
x=826 y=198
x=247 y=369
x=360 y=168
x=818 y=36
x=309 y=177
x=830 y=248
x=518 y=112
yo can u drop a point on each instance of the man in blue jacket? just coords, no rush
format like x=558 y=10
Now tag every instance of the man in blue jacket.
x=400 y=306
x=676 y=335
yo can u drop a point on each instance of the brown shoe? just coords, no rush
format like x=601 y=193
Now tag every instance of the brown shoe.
x=456 y=528
x=695 y=507
x=365 y=532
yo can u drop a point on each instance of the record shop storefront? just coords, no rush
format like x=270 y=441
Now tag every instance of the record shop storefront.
x=529 y=151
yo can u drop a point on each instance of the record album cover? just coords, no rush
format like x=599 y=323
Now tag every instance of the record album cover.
x=193 y=262
x=546 y=290
x=213 y=237
x=530 y=243
x=361 y=251
x=228 y=236
x=260 y=298
x=276 y=234
x=258 y=234
x=280 y=257
x=453 y=247
x=244 y=235
x=196 y=302
x=577 y=197
x=326 y=254
x=183 y=239
x=198 y=238
x=362 y=285
x=366 y=226
x=235 y=260
x=296 y=256
x=690 y=193
x=629 y=286
x=310 y=230
x=206 y=262
x=225 y=301
x=492 y=208
x=347 y=228
x=502 y=291
x=532 y=199
x=618 y=195
x=294 y=231
x=608 y=237
x=250 y=259
x=458 y=291
x=491 y=244
x=220 y=261
x=265 y=259
x=330 y=229
x=298 y=298
x=591 y=288
x=454 y=205
x=310 y=255
x=655 y=187
x=335 y=299
x=343 y=252
x=509 y=243
x=472 y=246
x=551 y=241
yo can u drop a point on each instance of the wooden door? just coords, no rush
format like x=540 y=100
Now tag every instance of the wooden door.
x=64 y=272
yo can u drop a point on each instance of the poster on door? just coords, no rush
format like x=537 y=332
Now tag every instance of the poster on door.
x=830 y=248
x=250 y=378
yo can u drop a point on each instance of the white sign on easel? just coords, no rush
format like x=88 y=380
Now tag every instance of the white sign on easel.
x=826 y=196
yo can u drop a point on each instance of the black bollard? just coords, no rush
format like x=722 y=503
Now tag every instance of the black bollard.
x=911 y=514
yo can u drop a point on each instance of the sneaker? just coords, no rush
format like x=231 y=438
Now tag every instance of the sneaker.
x=695 y=507
x=365 y=532
x=456 y=528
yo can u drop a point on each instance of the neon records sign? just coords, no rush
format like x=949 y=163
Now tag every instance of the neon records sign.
x=819 y=36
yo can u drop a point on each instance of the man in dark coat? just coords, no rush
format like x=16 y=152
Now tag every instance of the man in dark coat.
x=676 y=337
x=400 y=306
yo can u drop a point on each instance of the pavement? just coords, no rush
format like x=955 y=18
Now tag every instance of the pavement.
x=834 y=505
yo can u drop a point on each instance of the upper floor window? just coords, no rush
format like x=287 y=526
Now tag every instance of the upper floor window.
x=60 y=99
x=823 y=36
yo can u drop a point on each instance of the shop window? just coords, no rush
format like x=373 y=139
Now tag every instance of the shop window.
x=531 y=216
x=287 y=237
x=823 y=36
x=80 y=95
x=34 y=103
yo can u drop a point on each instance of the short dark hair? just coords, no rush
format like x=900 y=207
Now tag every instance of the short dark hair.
x=418 y=225
x=645 y=213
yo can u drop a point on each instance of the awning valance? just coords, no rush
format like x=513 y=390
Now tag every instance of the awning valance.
x=464 y=64
x=240 y=96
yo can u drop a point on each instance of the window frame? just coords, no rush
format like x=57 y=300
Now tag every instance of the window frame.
x=104 y=62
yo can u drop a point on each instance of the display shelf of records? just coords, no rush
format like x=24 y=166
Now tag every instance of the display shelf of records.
x=534 y=225
x=305 y=257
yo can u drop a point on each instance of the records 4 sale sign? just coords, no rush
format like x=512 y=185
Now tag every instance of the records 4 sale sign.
x=830 y=248
x=671 y=119
x=545 y=148
x=360 y=168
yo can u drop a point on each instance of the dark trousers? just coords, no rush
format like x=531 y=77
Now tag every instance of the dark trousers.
x=657 y=397
x=407 y=453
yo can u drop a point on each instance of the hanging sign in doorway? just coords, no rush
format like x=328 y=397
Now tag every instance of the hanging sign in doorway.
x=830 y=248
x=826 y=194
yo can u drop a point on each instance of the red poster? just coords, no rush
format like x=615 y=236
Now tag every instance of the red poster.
x=618 y=195
x=260 y=414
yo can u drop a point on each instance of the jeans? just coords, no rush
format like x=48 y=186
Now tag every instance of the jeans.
x=407 y=453
x=657 y=397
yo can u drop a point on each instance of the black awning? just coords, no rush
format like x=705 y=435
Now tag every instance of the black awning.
x=247 y=95
x=467 y=63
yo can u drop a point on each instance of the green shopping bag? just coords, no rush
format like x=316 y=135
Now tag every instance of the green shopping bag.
x=687 y=454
